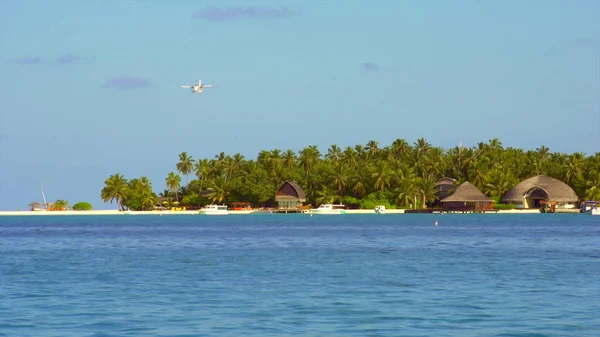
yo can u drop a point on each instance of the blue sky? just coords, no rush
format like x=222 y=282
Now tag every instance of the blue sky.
x=92 y=88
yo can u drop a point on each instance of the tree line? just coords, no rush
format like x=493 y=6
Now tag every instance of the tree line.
x=362 y=176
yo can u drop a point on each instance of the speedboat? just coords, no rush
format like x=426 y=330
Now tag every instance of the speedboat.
x=214 y=210
x=329 y=209
x=595 y=211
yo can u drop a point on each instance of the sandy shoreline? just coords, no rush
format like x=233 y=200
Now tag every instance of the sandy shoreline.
x=168 y=212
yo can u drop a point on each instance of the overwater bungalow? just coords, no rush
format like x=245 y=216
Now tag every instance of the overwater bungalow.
x=290 y=196
x=540 y=190
x=467 y=197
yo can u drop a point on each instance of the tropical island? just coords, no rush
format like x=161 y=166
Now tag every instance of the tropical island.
x=399 y=175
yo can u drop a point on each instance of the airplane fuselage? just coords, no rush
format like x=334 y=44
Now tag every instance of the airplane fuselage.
x=197 y=88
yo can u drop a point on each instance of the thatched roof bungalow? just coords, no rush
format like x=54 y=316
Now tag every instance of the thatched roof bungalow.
x=532 y=192
x=35 y=206
x=467 y=197
x=290 y=195
x=443 y=188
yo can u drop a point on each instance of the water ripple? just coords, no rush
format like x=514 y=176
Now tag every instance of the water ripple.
x=489 y=275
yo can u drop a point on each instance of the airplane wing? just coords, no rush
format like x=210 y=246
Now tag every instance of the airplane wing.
x=186 y=86
x=207 y=86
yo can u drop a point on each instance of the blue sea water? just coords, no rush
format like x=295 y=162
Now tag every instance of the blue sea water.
x=292 y=274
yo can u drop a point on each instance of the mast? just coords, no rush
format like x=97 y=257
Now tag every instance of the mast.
x=44 y=197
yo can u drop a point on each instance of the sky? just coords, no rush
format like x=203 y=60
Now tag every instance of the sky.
x=93 y=88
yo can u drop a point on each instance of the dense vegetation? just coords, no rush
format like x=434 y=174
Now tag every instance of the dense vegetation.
x=360 y=176
x=82 y=206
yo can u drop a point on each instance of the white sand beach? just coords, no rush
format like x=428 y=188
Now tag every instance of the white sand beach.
x=196 y=212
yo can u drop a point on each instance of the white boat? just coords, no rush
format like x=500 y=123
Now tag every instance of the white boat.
x=591 y=207
x=380 y=209
x=214 y=210
x=329 y=209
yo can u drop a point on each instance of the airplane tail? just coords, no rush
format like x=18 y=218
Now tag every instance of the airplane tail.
x=200 y=83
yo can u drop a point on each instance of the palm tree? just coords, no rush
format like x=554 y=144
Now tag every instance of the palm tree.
x=400 y=148
x=372 y=148
x=61 y=204
x=289 y=159
x=202 y=169
x=350 y=157
x=422 y=146
x=115 y=189
x=333 y=154
x=238 y=159
x=340 y=178
x=573 y=168
x=218 y=189
x=185 y=165
x=426 y=189
x=326 y=195
x=360 y=182
x=308 y=157
x=406 y=190
x=173 y=182
x=382 y=175
x=593 y=186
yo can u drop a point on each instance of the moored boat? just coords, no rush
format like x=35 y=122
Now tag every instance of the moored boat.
x=590 y=207
x=214 y=210
x=329 y=209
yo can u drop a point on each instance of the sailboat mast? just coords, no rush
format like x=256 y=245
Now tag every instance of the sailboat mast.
x=44 y=197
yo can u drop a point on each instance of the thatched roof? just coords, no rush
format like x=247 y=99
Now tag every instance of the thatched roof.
x=35 y=204
x=444 y=186
x=554 y=188
x=446 y=181
x=466 y=192
x=290 y=190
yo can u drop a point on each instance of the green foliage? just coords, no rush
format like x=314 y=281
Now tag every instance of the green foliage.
x=401 y=173
x=82 y=206
x=504 y=206
x=351 y=202
x=60 y=204
x=135 y=194
x=375 y=199
x=193 y=199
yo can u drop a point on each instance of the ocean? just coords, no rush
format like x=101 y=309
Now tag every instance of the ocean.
x=293 y=274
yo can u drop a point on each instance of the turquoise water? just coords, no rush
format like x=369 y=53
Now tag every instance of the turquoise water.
x=282 y=275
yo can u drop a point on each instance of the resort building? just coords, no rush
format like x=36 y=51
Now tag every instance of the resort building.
x=443 y=188
x=539 y=190
x=467 y=197
x=290 y=196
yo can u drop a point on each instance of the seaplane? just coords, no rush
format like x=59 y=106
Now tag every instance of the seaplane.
x=197 y=88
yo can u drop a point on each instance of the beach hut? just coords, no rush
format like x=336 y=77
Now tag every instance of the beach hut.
x=290 y=196
x=35 y=206
x=467 y=197
x=443 y=188
x=540 y=190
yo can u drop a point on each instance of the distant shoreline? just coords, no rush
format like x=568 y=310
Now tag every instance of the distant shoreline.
x=168 y=212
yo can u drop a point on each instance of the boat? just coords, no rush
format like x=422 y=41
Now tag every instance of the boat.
x=214 y=210
x=591 y=207
x=380 y=209
x=329 y=209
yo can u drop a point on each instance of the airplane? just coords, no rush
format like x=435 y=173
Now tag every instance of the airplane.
x=197 y=88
